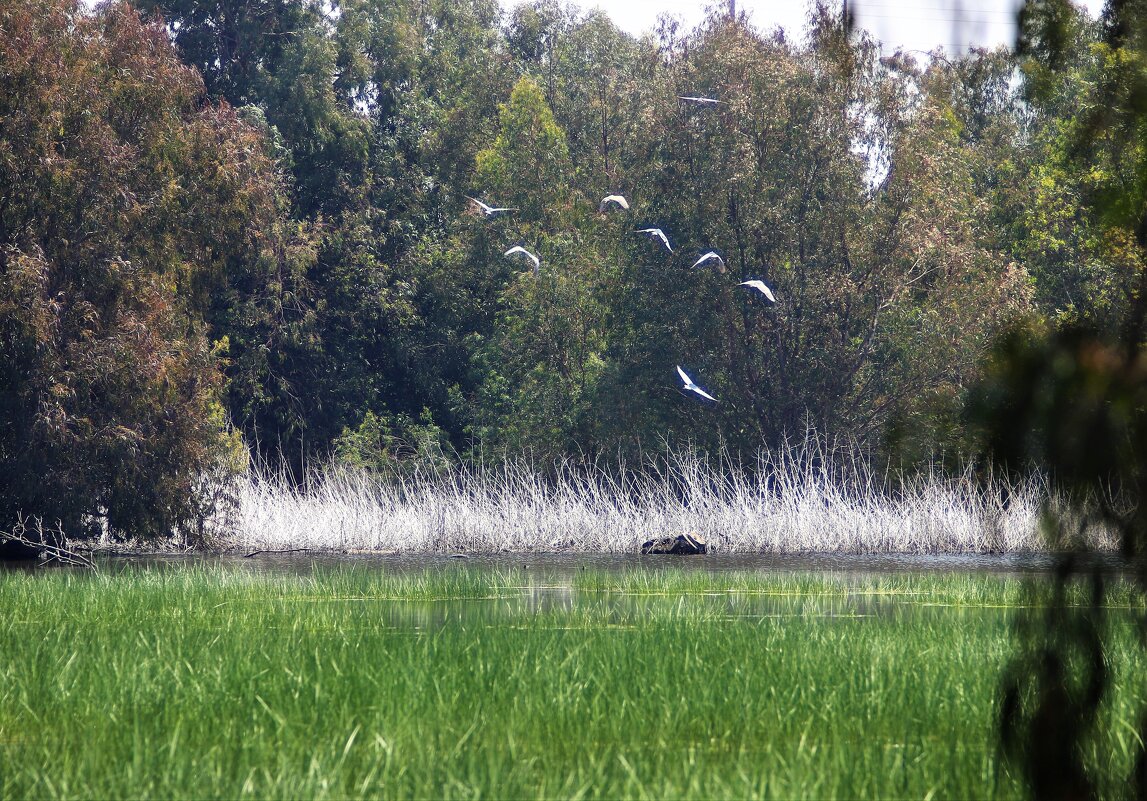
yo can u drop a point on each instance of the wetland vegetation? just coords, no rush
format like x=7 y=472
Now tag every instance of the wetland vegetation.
x=794 y=499
x=244 y=233
x=353 y=681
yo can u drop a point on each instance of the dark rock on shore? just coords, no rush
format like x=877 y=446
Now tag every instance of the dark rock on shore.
x=681 y=545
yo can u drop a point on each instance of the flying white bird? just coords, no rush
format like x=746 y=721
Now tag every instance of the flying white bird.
x=519 y=249
x=761 y=287
x=656 y=232
x=618 y=199
x=710 y=256
x=489 y=211
x=689 y=385
x=709 y=101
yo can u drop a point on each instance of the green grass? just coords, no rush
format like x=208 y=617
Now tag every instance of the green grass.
x=214 y=681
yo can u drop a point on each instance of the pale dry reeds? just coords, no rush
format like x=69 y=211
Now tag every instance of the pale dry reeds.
x=806 y=498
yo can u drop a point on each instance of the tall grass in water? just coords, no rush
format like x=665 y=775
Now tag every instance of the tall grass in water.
x=223 y=682
x=798 y=498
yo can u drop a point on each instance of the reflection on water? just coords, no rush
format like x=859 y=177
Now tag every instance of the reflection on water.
x=567 y=564
x=304 y=562
x=569 y=607
x=543 y=584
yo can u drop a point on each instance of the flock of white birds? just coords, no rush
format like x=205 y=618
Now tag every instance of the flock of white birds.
x=618 y=201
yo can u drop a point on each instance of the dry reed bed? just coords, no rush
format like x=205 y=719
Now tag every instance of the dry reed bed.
x=795 y=500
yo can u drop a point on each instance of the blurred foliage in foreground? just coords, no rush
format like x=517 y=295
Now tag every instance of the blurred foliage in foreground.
x=1072 y=398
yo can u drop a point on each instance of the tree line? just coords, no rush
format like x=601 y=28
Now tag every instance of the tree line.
x=243 y=228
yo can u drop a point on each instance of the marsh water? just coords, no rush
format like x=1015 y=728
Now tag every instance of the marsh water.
x=568 y=564
x=836 y=585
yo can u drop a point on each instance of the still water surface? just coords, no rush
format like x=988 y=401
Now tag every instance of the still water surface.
x=568 y=564
x=544 y=584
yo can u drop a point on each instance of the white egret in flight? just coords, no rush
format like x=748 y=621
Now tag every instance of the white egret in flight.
x=761 y=287
x=519 y=249
x=710 y=256
x=618 y=199
x=709 y=101
x=658 y=233
x=689 y=385
x=489 y=211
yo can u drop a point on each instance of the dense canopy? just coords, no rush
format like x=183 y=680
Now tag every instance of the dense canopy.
x=237 y=223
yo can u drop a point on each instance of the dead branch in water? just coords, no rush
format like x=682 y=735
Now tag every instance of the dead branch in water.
x=55 y=547
x=283 y=550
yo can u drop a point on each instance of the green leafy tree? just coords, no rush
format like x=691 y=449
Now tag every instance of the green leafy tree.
x=948 y=204
x=403 y=300
x=280 y=56
x=540 y=364
x=528 y=164
x=1084 y=271
x=377 y=108
x=841 y=181
x=879 y=199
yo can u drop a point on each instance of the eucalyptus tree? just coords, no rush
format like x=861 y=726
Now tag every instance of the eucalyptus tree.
x=1085 y=271
x=754 y=183
x=378 y=108
x=279 y=55
x=948 y=209
x=277 y=60
x=596 y=87
x=827 y=174
x=819 y=170
x=540 y=366
x=431 y=75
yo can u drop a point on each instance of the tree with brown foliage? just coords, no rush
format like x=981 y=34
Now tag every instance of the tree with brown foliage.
x=128 y=206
